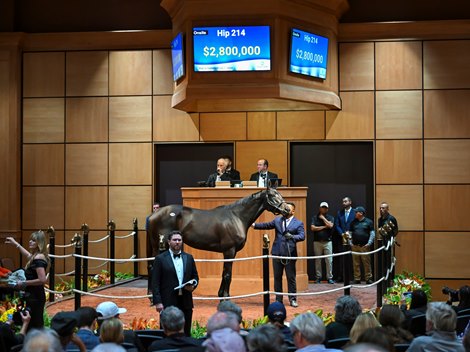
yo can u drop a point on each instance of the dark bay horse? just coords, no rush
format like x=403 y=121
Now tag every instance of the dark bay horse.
x=222 y=229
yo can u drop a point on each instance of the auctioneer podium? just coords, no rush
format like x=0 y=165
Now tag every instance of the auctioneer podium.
x=247 y=276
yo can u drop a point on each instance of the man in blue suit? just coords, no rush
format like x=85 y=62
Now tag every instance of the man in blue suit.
x=342 y=224
x=289 y=231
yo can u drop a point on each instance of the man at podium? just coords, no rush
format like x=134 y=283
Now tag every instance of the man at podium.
x=263 y=175
x=220 y=174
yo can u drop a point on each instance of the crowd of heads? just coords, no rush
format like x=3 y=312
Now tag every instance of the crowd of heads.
x=367 y=333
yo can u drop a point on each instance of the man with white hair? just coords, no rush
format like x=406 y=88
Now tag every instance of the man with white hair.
x=441 y=322
x=308 y=332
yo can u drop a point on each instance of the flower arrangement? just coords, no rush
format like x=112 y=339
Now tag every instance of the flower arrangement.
x=404 y=283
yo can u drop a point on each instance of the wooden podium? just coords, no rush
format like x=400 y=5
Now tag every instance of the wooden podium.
x=247 y=275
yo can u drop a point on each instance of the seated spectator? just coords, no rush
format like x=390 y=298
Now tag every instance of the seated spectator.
x=229 y=306
x=277 y=315
x=364 y=347
x=347 y=309
x=42 y=340
x=464 y=299
x=308 y=332
x=86 y=324
x=172 y=321
x=266 y=338
x=418 y=306
x=441 y=321
x=8 y=336
x=363 y=322
x=108 y=310
x=112 y=330
x=223 y=334
x=108 y=347
x=64 y=323
x=466 y=341
x=391 y=318
x=377 y=336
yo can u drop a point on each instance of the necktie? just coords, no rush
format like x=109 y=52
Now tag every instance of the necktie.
x=176 y=255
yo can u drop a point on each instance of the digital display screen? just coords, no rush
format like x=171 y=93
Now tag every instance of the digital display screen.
x=177 y=56
x=243 y=48
x=309 y=54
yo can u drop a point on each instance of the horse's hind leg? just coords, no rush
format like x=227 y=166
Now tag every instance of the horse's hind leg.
x=224 y=290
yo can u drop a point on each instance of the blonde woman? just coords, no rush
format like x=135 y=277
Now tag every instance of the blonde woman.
x=112 y=330
x=363 y=322
x=35 y=273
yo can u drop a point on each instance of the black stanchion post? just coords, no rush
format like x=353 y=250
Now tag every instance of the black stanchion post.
x=266 y=272
x=112 y=249
x=85 y=232
x=347 y=262
x=136 y=247
x=387 y=263
x=51 y=233
x=77 y=241
x=380 y=271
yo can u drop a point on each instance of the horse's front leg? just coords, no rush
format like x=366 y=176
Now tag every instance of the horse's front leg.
x=224 y=290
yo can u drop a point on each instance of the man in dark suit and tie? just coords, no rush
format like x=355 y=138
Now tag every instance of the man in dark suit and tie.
x=171 y=269
x=342 y=224
x=220 y=174
x=289 y=231
x=263 y=175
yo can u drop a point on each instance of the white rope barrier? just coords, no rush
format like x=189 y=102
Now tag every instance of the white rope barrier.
x=125 y=236
x=233 y=259
x=61 y=256
x=66 y=274
x=57 y=292
x=99 y=240
x=62 y=245
x=230 y=297
x=110 y=296
x=99 y=265
x=118 y=260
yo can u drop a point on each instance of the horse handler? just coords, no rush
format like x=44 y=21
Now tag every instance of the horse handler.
x=289 y=231
x=174 y=278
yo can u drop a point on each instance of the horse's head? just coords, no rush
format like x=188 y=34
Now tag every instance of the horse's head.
x=275 y=203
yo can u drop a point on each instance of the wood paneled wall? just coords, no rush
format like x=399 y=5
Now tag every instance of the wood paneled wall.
x=90 y=119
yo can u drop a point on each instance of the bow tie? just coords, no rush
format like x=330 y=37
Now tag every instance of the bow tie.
x=176 y=255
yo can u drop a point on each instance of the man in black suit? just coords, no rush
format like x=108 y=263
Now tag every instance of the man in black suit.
x=219 y=175
x=171 y=269
x=234 y=174
x=342 y=223
x=172 y=321
x=263 y=175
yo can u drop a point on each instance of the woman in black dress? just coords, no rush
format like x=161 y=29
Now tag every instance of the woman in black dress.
x=35 y=273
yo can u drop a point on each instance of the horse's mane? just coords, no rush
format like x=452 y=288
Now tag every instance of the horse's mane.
x=242 y=201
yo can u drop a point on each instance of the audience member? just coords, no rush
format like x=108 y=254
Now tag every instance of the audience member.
x=308 y=332
x=377 y=336
x=364 y=347
x=42 y=340
x=223 y=334
x=263 y=176
x=392 y=318
x=266 y=338
x=112 y=330
x=362 y=238
x=418 y=306
x=347 y=309
x=64 y=323
x=108 y=347
x=277 y=315
x=363 y=322
x=466 y=341
x=229 y=306
x=322 y=226
x=108 y=310
x=86 y=324
x=8 y=336
x=172 y=321
x=464 y=299
x=441 y=321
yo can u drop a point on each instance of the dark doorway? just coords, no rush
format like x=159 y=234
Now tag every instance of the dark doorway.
x=332 y=171
x=183 y=165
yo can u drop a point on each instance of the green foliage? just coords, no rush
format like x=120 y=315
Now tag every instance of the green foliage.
x=404 y=283
x=198 y=330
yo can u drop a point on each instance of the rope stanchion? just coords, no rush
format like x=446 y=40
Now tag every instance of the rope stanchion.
x=112 y=249
x=77 y=240
x=136 y=246
x=51 y=233
x=85 y=232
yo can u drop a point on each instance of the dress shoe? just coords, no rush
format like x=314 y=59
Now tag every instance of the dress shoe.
x=357 y=282
x=293 y=303
x=370 y=281
x=331 y=281
x=318 y=281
